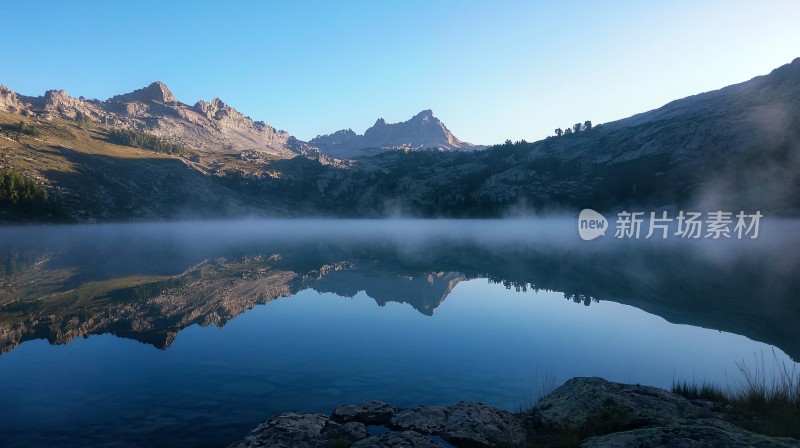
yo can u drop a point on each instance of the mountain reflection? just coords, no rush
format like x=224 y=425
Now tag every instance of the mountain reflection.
x=59 y=284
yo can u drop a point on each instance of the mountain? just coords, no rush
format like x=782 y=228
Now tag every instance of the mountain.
x=422 y=131
x=207 y=127
x=737 y=148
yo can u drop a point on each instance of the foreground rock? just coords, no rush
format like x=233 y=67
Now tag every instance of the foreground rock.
x=699 y=434
x=585 y=402
x=461 y=424
x=465 y=424
x=592 y=411
x=303 y=430
x=602 y=413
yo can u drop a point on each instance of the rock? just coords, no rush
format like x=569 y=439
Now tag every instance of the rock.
x=370 y=413
x=480 y=424
x=286 y=431
x=344 y=434
x=597 y=412
x=405 y=439
x=597 y=406
x=464 y=423
x=425 y=419
x=156 y=91
x=699 y=434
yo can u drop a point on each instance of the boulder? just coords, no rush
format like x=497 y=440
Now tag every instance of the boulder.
x=465 y=424
x=698 y=434
x=286 y=431
x=597 y=406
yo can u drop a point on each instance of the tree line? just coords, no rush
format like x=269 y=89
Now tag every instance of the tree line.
x=144 y=140
x=577 y=127
x=23 y=195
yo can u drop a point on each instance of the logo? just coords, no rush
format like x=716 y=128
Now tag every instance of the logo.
x=591 y=224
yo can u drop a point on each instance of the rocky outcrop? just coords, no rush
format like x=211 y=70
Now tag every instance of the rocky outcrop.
x=465 y=424
x=698 y=434
x=599 y=413
x=11 y=102
x=582 y=402
x=422 y=131
x=461 y=424
x=155 y=92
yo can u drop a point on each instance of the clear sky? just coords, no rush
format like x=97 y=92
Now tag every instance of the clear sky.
x=491 y=70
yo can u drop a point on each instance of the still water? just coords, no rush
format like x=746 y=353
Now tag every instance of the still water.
x=192 y=333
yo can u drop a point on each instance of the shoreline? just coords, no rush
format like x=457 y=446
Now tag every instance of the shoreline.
x=585 y=412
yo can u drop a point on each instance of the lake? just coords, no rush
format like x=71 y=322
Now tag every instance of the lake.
x=191 y=333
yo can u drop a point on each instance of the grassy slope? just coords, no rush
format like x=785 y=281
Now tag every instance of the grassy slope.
x=96 y=179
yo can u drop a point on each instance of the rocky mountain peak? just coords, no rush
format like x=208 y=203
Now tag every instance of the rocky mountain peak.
x=155 y=92
x=219 y=110
x=422 y=131
x=56 y=97
x=425 y=114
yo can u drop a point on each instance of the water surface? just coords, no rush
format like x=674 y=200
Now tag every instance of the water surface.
x=192 y=333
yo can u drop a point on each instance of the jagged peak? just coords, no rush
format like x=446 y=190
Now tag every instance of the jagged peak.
x=347 y=131
x=52 y=94
x=156 y=91
x=218 y=103
x=214 y=107
x=427 y=113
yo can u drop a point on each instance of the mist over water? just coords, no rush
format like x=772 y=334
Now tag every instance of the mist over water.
x=157 y=328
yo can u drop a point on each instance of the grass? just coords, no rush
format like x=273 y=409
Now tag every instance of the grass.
x=546 y=386
x=763 y=402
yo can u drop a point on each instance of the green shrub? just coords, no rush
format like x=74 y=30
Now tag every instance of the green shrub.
x=83 y=121
x=22 y=128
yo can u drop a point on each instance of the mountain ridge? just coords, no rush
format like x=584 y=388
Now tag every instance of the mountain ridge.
x=212 y=127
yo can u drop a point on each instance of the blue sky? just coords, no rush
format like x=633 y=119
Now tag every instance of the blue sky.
x=489 y=70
